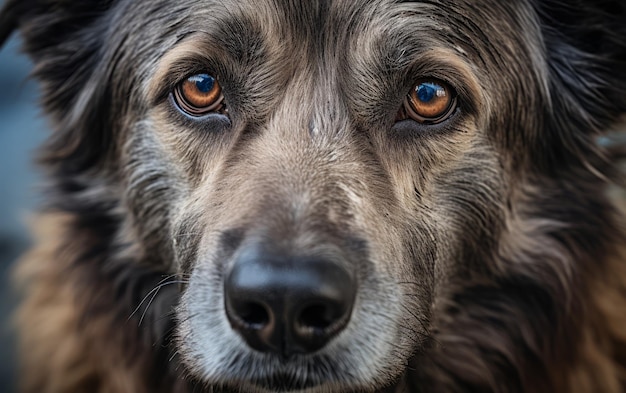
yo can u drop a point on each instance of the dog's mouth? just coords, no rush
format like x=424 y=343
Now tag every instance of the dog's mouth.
x=286 y=382
x=281 y=382
x=281 y=377
x=314 y=377
x=311 y=378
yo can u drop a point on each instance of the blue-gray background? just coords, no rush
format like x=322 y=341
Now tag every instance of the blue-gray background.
x=22 y=129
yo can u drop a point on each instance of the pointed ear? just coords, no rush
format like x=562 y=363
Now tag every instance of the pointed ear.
x=585 y=42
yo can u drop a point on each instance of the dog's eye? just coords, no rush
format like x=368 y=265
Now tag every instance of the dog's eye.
x=199 y=94
x=430 y=101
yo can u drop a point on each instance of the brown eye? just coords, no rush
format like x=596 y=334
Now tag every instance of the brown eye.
x=430 y=101
x=199 y=94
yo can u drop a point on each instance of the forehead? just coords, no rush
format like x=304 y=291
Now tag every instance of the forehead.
x=465 y=26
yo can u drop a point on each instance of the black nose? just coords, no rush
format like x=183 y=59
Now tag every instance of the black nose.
x=287 y=305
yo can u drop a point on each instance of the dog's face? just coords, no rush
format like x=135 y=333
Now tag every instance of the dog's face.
x=318 y=174
x=286 y=143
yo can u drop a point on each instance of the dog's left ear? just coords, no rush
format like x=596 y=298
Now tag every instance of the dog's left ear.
x=585 y=43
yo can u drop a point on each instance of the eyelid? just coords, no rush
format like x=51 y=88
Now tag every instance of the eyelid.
x=197 y=52
x=190 y=98
x=452 y=69
x=178 y=75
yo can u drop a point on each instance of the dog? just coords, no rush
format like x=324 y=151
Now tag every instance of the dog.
x=325 y=196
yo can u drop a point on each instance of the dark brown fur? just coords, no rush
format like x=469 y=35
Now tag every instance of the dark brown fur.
x=490 y=255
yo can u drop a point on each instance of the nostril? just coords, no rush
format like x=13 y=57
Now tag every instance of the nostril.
x=252 y=315
x=317 y=318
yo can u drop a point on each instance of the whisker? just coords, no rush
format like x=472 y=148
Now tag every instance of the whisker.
x=150 y=302
x=155 y=289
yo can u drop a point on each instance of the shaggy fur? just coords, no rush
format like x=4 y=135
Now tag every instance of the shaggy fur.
x=489 y=255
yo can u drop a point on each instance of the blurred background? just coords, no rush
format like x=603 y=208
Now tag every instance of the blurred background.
x=22 y=129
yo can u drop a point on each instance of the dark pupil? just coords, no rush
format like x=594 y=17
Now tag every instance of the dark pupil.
x=427 y=91
x=204 y=82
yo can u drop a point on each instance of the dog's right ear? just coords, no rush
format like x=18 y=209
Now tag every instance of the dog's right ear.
x=64 y=39
x=49 y=21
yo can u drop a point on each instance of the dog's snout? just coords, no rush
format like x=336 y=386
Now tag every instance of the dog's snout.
x=287 y=305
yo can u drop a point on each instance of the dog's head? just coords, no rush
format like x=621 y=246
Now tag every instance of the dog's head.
x=319 y=175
